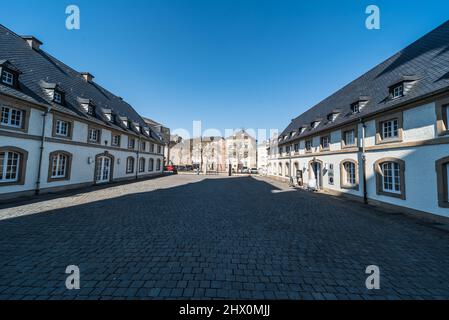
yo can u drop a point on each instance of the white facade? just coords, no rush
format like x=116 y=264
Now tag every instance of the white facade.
x=82 y=164
x=420 y=147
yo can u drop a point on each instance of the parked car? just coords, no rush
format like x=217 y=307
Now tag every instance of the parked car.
x=171 y=169
x=245 y=170
x=254 y=171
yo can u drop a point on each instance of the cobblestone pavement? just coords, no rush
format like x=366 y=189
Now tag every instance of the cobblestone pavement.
x=193 y=237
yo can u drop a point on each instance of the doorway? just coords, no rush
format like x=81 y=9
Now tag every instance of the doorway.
x=103 y=168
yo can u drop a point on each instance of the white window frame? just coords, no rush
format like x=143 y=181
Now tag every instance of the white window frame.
x=398 y=91
x=350 y=134
x=6 y=167
x=59 y=166
x=142 y=165
x=7 y=114
x=130 y=162
x=92 y=135
x=393 y=174
x=7 y=77
x=351 y=179
x=59 y=128
x=116 y=140
x=390 y=129
x=57 y=97
x=325 y=138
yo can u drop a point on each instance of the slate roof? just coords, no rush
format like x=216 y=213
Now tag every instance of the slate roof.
x=427 y=60
x=40 y=70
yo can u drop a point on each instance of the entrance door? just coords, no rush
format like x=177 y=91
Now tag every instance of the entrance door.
x=316 y=175
x=103 y=169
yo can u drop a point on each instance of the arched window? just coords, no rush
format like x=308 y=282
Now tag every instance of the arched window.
x=130 y=165
x=151 y=165
x=12 y=165
x=287 y=170
x=390 y=177
x=142 y=165
x=60 y=163
x=349 y=174
x=442 y=168
x=158 y=165
x=280 y=169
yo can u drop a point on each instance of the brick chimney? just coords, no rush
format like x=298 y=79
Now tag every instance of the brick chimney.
x=32 y=42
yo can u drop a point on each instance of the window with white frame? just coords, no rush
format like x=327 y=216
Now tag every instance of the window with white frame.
x=350 y=173
x=391 y=178
x=57 y=97
x=94 y=135
x=296 y=147
x=390 y=129
x=9 y=166
x=325 y=141
x=143 y=145
x=349 y=137
x=142 y=165
x=158 y=165
x=159 y=149
x=7 y=77
x=398 y=91
x=131 y=143
x=59 y=163
x=130 y=165
x=152 y=148
x=12 y=117
x=62 y=128
x=151 y=165
x=309 y=145
x=355 y=108
x=116 y=140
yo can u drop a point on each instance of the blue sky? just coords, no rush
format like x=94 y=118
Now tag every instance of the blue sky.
x=229 y=63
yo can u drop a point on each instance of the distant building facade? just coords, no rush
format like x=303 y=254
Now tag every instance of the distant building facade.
x=241 y=151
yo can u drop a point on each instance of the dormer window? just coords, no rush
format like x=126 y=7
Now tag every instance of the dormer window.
x=90 y=110
x=7 y=77
x=332 y=116
x=301 y=130
x=57 y=97
x=314 y=124
x=355 y=108
x=397 y=91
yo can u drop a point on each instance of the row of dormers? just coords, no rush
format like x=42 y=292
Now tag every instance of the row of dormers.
x=398 y=88
x=9 y=76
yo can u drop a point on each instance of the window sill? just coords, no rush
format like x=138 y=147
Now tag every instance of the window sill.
x=391 y=194
x=58 y=179
x=12 y=183
x=350 y=187
x=389 y=140
x=349 y=146
x=19 y=129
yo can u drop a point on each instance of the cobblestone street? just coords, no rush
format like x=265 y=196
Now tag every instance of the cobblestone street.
x=195 y=237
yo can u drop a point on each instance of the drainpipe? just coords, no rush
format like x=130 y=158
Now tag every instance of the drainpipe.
x=137 y=162
x=41 y=151
x=365 y=190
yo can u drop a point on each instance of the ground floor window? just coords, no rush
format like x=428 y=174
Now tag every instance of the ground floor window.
x=60 y=163
x=151 y=165
x=142 y=165
x=12 y=165
x=9 y=170
x=442 y=170
x=130 y=165
x=349 y=174
x=390 y=177
x=158 y=165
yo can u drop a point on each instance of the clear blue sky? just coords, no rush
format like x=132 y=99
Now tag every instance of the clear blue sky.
x=228 y=63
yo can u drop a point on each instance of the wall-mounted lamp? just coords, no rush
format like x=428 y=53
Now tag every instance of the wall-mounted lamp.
x=89 y=160
x=118 y=160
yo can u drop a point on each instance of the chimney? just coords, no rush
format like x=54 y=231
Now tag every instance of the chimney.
x=87 y=76
x=32 y=42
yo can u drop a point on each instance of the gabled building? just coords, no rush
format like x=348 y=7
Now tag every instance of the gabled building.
x=60 y=129
x=241 y=151
x=383 y=137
